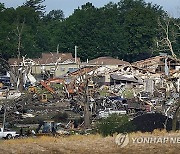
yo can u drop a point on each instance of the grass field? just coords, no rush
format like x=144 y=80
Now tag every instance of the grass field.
x=86 y=144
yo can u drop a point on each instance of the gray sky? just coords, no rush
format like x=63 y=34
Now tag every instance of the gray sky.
x=68 y=6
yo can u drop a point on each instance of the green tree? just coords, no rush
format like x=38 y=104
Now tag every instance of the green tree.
x=57 y=15
x=125 y=30
x=1 y=7
x=114 y=124
x=36 y=5
x=18 y=32
x=139 y=22
x=6 y=43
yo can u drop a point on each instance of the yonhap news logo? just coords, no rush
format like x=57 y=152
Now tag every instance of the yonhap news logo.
x=124 y=139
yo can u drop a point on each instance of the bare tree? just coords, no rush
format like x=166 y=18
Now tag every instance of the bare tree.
x=16 y=73
x=18 y=32
x=167 y=35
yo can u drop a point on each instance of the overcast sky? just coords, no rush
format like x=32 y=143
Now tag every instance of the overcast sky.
x=68 y=6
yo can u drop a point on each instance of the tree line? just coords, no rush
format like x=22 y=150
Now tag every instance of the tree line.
x=126 y=30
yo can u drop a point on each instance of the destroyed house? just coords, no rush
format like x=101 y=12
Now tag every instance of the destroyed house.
x=107 y=76
x=159 y=64
x=103 y=66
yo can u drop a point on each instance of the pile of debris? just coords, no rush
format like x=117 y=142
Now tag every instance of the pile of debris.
x=149 y=86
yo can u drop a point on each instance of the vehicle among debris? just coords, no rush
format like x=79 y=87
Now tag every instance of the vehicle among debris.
x=7 y=134
x=107 y=112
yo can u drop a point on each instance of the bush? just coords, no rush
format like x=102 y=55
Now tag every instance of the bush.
x=114 y=124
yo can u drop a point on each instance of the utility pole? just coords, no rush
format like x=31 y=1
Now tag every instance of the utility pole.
x=75 y=54
x=4 y=118
x=86 y=106
x=57 y=48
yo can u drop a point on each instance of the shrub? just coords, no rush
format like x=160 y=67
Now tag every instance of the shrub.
x=114 y=124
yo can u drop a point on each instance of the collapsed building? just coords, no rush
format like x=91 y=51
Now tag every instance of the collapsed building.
x=159 y=64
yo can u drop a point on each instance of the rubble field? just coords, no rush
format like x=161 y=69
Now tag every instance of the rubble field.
x=147 y=92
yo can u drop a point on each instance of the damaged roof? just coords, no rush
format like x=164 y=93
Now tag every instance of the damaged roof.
x=108 y=61
x=154 y=60
x=81 y=71
x=154 y=64
x=48 y=58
